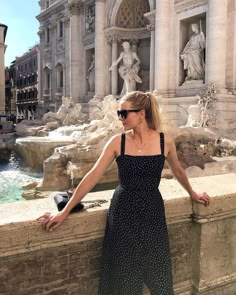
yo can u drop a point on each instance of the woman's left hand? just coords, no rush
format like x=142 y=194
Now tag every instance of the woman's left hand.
x=202 y=198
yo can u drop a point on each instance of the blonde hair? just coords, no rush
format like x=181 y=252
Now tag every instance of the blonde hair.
x=145 y=101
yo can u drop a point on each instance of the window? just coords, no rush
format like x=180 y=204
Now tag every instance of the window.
x=47 y=3
x=47 y=37
x=61 y=78
x=60 y=29
x=48 y=80
x=60 y=75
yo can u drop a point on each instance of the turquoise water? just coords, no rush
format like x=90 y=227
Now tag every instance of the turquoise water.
x=12 y=179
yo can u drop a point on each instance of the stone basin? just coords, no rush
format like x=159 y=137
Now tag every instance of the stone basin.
x=34 y=150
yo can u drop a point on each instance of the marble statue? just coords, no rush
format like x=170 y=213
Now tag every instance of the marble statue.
x=91 y=75
x=129 y=68
x=192 y=55
x=68 y=113
x=60 y=114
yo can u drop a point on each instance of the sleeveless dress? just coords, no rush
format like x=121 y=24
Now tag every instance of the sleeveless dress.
x=136 y=243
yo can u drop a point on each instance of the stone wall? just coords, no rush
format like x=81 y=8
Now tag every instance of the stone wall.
x=67 y=260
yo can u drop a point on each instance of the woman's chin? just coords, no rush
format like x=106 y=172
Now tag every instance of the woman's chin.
x=125 y=127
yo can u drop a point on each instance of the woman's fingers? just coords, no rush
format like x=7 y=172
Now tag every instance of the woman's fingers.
x=50 y=222
x=42 y=217
x=204 y=198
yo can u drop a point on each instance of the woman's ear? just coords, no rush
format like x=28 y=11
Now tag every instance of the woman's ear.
x=142 y=113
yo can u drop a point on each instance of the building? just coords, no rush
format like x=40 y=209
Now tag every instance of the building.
x=54 y=53
x=10 y=92
x=26 y=84
x=3 y=32
x=74 y=32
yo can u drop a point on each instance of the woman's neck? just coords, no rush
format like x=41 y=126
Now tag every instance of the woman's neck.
x=142 y=134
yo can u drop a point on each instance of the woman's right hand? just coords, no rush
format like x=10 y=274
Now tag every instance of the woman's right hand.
x=50 y=222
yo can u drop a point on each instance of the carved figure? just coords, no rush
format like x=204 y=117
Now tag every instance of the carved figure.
x=90 y=20
x=192 y=55
x=129 y=68
x=60 y=114
x=91 y=75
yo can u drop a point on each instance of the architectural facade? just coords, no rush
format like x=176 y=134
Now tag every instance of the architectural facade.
x=26 y=84
x=3 y=32
x=183 y=46
x=10 y=93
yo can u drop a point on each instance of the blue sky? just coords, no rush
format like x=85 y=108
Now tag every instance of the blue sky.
x=19 y=16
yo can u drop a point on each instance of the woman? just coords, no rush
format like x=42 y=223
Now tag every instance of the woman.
x=136 y=246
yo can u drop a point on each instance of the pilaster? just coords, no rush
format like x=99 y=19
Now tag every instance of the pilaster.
x=76 y=10
x=99 y=49
x=162 y=46
x=216 y=43
x=151 y=27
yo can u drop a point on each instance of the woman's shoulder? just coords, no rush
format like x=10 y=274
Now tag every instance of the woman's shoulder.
x=116 y=138
x=168 y=138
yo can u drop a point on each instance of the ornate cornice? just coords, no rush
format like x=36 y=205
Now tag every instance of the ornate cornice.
x=115 y=34
x=182 y=6
x=76 y=7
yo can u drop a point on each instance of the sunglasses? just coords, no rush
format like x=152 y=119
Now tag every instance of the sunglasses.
x=124 y=113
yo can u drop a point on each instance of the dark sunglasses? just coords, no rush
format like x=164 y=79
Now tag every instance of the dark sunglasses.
x=124 y=113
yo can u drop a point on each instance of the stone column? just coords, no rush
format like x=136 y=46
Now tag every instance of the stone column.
x=107 y=55
x=114 y=73
x=151 y=27
x=162 y=46
x=3 y=29
x=99 y=49
x=152 y=58
x=216 y=43
x=75 y=9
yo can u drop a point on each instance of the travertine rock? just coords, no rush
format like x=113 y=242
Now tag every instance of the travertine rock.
x=28 y=128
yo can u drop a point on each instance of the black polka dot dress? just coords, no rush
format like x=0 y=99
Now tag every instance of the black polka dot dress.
x=136 y=244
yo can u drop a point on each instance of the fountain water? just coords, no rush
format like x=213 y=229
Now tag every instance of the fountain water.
x=12 y=178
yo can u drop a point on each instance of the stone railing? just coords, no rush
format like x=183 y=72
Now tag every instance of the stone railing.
x=67 y=260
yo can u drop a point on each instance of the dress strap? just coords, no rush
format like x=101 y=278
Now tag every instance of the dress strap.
x=162 y=142
x=122 y=145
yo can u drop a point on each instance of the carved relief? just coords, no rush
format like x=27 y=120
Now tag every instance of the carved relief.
x=182 y=6
x=118 y=34
x=90 y=19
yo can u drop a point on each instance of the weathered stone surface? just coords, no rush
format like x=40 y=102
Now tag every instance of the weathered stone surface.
x=34 y=150
x=190 y=155
x=7 y=142
x=55 y=165
x=28 y=128
x=67 y=261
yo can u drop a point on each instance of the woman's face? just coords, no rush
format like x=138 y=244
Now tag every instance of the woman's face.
x=132 y=118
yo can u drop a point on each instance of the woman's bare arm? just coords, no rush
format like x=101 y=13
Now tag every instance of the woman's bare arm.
x=179 y=173
x=50 y=222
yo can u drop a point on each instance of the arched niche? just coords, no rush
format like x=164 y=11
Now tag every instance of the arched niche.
x=117 y=5
x=128 y=23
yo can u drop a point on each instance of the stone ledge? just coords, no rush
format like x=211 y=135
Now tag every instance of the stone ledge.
x=65 y=260
x=21 y=233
